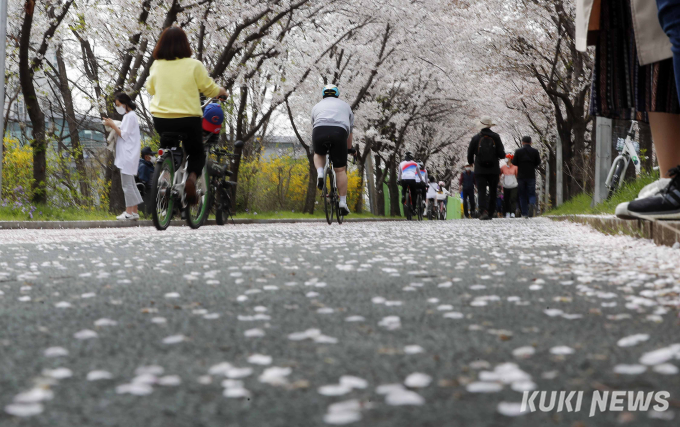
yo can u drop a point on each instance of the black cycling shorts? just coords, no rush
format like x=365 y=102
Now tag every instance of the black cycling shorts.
x=337 y=136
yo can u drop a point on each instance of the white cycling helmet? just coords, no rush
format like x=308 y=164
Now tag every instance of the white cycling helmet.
x=331 y=90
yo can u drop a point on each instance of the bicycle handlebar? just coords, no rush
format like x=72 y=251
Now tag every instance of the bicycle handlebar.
x=210 y=100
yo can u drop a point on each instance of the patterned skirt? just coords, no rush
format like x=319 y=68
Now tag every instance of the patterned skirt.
x=621 y=87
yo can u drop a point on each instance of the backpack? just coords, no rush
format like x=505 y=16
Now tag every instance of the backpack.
x=486 y=152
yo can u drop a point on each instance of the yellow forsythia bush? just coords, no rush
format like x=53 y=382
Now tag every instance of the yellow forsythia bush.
x=279 y=183
x=17 y=171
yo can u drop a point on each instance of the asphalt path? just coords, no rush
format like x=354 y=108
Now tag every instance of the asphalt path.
x=372 y=324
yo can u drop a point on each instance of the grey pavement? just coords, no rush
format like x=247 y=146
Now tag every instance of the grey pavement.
x=365 y=324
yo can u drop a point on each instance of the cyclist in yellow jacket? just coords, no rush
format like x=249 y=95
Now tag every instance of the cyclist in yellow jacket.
x=175 y=81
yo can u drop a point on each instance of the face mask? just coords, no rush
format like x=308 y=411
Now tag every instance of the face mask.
x=121 y=109
x=468 y=169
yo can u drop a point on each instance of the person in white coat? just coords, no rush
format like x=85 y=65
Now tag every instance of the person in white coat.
x=128 y=146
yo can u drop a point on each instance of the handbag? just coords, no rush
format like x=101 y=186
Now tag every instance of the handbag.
x=509 y=181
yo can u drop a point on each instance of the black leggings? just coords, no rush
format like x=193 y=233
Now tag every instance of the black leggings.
x=415 y=186
x=193 y=144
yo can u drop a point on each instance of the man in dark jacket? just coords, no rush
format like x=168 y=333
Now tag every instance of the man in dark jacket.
x=527 y=159
x=485 y=150
x=467 y=184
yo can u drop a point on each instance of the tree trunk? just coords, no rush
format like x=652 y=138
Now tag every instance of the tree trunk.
x=395 y=201
x=76 y=149
x=359 y=207
x=311 y=186
x=553 y=177
x=34 y=112
x=379 y=188
x=238 y=151
x=370 y=175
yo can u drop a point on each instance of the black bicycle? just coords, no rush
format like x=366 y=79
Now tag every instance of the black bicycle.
x=411 y=210
x=220 y=186
x=329 y=191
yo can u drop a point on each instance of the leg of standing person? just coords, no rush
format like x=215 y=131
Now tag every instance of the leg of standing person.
x=482 y=194
x=132 y=196
x=513 y=202
x=669 y=18
x=523 y=196
x=531 y=195
x=493 y=190
x=465 y=204
x=473 y=203
x=507 y=201
x=666 y=127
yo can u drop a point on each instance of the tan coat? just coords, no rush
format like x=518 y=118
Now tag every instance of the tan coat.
x=652 y=43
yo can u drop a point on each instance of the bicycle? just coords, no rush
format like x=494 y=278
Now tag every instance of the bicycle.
x=169 y=180
x=329 y=191
x=620 y=164
x=410 y=209
x=432 y=209
x=220 y=186
x=441 y=209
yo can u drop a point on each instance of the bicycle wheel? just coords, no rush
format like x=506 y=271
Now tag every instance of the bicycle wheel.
x=442 y=213
x=161 y=193
x=327 y=202
x=196 y=214
x=419 y=206
x=338 y=214
x=407 y=206
x=617 y=178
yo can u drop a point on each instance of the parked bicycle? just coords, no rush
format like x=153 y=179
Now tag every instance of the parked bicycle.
x=628 y=154
x=329 y=191
x=220 y=186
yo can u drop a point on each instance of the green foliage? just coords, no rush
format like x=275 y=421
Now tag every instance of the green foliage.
x=581 y=204
x=62 y=186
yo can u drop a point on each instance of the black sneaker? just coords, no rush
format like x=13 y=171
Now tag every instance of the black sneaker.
x=665 y=205
x=319 y=183
x=344 y=210
x=484 y=217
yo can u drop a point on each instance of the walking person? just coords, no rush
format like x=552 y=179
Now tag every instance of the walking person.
x=431 y=195
x=527 y=159
x=485 y=150
x=509 y=181
x=467 y=183
x=128 y=144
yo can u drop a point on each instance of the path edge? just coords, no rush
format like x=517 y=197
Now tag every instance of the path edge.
x=72 y=225
x=665 y=233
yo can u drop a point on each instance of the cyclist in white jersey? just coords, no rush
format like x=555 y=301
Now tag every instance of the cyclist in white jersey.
x=408 y=174
x=333 y=120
